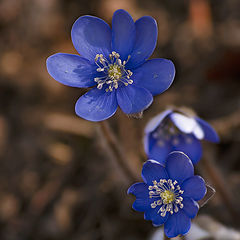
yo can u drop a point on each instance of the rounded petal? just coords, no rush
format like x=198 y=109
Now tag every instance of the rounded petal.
x=153 y=215
x=209 y=133
x=142 y=202
x=178 y=223
x=123 y=33
x=96 y=105
x=71 y=70
x=91 y=36
x=156 y=121
x=188 y=144
x=194 y=188
x=190 y=207
x=140 y=190
x=153 y=170
x=145 y=42
x=155 y=75
x=158 y=149
x=133 y=99
x=179 y=167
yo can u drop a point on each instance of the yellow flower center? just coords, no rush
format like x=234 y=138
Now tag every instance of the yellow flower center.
x=114 y=72
x=167 y=196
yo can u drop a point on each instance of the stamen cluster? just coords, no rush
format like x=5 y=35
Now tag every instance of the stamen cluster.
x=169 y=194
x=114 y=71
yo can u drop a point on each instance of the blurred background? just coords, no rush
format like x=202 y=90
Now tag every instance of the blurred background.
x=57 y=177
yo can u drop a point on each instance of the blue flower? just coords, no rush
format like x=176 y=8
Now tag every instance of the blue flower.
x=113 y=63
x=168 y=194
x=175 y=131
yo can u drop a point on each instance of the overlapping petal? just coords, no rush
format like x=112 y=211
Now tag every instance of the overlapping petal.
x=123 y=33
x=71 y=70
x=140 y=190
x=145 y=42
x=179 y=167
x=153 y=170
x=178 y=223
x=142 y=202
x=194 y=188
x=96 y=105
x=158 y=220
x=91 y=36
x=190 y=207
x=155 y=75
x=133 y=99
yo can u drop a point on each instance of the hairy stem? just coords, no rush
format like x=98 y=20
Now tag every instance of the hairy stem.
x=119 y=156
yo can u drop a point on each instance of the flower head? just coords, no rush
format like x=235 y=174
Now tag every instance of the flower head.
x=113 y=63
x=176 y=131
x=169 y=193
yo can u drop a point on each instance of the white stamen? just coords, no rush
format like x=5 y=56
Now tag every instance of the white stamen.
x=169 y=194
x=114 y=71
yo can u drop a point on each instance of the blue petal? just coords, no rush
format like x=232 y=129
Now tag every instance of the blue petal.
x=71 y=70
x=209 y=133
x=140 y=190
x=178 y=223
x=96 y=105
x=156 y=121
x=145 y=43
x=142 y=202
x=179 y=166
x=190 y=145
x=123 y=33
x=153 y=215
x=190 y=207
x=91 y=36
x=153 y=170
x=194 y=188
x=158 y=149
x=155 y=75
x=158 y=221
x=133 y=99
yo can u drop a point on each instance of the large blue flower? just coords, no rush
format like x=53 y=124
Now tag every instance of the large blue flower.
x=168 y=194
x=114 y=64
x=176 y=131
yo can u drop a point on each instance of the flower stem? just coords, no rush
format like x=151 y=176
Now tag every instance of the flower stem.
x=119 y=156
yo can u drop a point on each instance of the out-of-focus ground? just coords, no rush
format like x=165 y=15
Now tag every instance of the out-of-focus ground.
x=56 y=178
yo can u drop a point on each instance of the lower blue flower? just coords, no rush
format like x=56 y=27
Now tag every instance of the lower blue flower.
x=169 y=193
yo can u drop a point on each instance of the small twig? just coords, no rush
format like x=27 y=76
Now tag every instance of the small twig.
x=117 y=150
